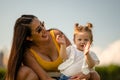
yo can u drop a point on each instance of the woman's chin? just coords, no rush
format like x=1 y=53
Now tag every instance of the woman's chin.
x=46 y=38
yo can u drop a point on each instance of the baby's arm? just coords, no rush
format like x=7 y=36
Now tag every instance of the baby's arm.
x=88 y=57
x=61 y=40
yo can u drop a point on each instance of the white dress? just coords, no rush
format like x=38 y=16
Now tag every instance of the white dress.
x=76 y=62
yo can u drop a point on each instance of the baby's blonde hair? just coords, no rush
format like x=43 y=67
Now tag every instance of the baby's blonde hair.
x=87 y=28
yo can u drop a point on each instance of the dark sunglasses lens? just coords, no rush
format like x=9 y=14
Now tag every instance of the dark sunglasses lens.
x=39 y=29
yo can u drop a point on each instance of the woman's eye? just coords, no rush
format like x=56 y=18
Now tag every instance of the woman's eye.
x=39 y=29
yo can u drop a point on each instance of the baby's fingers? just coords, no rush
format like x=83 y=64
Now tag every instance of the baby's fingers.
x=87 y=46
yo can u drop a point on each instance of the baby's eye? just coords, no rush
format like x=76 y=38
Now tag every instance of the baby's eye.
x=86 y=40
x=79 y=39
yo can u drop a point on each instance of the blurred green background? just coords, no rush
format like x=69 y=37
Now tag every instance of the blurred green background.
x=110 y=72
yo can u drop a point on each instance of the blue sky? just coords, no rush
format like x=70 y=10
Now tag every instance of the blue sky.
x=63 y=14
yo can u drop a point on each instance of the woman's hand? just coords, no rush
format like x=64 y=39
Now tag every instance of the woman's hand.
x=80 y=76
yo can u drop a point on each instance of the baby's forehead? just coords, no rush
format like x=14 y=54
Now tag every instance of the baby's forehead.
x=83 y=34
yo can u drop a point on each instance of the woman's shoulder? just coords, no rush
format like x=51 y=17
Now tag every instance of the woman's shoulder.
x=28 y=51
x=27 y=55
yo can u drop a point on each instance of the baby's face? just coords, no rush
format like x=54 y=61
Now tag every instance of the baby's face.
x=81 y=40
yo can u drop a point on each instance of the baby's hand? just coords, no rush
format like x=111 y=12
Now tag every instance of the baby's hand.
x=60 y=39
x=86 y=48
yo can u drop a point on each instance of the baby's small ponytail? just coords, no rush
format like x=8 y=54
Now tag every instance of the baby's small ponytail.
x=76 y=24
x=77 y=28
x=89 y=26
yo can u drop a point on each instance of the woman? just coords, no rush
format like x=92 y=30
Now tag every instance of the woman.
x=34 y=50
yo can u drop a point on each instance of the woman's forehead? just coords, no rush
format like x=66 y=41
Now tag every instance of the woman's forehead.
x=35 y=23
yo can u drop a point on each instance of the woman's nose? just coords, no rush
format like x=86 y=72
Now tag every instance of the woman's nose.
x=43 y=30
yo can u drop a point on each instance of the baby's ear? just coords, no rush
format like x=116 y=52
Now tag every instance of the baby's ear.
x=29 y=39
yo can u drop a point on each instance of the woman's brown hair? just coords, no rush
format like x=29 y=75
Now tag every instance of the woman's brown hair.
x=19 y=45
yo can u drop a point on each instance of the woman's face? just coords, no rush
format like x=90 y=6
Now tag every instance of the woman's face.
x=39 y=33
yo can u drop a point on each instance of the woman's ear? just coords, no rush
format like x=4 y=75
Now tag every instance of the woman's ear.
x=29 y=39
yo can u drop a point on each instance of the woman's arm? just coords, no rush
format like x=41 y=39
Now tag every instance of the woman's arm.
x=31 y=63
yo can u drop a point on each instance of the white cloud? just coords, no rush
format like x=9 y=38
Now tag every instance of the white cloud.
x=111 y=55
